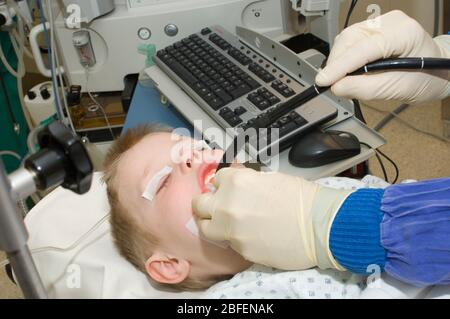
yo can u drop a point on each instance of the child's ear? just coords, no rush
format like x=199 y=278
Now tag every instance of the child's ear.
x=166 y=269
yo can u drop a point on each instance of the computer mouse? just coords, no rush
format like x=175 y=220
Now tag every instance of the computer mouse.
x=323 y=148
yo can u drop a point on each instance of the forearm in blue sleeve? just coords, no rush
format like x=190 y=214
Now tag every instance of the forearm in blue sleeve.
x=405 y=230
x=355 y=240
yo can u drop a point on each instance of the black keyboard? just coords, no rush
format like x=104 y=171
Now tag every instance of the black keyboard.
x=235 y=84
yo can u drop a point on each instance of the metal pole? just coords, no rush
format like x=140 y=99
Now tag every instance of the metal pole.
x=13 y=240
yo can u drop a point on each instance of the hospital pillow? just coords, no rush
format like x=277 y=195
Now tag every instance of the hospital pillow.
x=94 y=268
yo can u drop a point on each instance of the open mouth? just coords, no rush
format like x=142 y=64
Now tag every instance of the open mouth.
x=206 y=177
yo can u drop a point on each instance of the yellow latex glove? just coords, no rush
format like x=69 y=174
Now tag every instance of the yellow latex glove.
x=391 y=35
x=270 y=218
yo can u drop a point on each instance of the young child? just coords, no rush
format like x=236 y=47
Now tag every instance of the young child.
x=151 y=178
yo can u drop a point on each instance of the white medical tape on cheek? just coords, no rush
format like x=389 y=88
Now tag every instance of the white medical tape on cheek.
x=152 y=186
x=193 y=228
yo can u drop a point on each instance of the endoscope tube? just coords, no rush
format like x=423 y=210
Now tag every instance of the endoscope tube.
x=267 y=119
x=405 y=64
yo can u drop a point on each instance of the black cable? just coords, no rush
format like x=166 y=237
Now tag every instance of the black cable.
x=8 y=103
x=397 y=170
x=405 y=64
x=383 y=168
x=358 y=111
x=385 y=175
x=380 y=161
x=350 y=12
x=437 y=17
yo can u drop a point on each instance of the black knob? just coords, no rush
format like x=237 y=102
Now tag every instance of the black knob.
x=31 y=95
x=2 y=20
x=45 y=94
x=62 y=160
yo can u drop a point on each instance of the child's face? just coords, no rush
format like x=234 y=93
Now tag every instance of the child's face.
x=179 y=253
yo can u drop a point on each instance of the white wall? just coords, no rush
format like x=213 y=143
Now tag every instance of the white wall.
x=421 y=10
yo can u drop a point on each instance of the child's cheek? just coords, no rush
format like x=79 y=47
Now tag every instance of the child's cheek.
x=181 y=202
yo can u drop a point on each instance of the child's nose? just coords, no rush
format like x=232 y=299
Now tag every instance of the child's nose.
x=192 y=162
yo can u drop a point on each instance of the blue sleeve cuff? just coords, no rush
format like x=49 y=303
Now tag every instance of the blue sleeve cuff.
x=355 y=240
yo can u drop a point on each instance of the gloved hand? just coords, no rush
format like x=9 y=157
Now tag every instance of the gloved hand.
x=392 y=35
x=271 y=219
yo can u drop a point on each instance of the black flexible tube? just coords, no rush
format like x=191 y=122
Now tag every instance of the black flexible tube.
x=405 y=64
x=267 y=119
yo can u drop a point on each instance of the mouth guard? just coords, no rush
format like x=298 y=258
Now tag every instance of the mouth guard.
x=193 y=228
x=152 y=186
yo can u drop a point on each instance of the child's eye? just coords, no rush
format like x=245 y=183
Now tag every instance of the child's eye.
x=163 y=183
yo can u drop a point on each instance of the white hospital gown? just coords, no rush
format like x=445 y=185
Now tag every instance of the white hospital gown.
x=259 y=282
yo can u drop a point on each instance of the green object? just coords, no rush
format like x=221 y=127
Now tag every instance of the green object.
x=149 y=51
x=49 y=120
x=11 y=110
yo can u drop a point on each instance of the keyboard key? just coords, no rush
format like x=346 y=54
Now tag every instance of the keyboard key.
x=276 y=84
x=229 y=89
x=288 y=128
x=300 y=121
x=238 y=56
x=227 y=115
x=268 y=77
x=261 y=73
x=252 y=82
x=234 y=121
x=275 y=125
x=184 y=74
x=283 y=121
x=294 y=115
x=240 y=110
x=209 y=96
x=238 y=82
x=240 y=91
x=216 y=103
x=186 y=41
x=224 y=96
x=255 y=99
x=267 y=95
x=263 y=105
x=203 y=92
x=288 y=92
x=225 y=110
x=206 y=31
x=274 y=100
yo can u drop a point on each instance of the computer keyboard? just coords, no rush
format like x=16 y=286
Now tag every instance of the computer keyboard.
x=235 y=84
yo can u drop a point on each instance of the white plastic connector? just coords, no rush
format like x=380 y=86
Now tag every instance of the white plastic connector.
x=311 y=7
x=37 y=51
